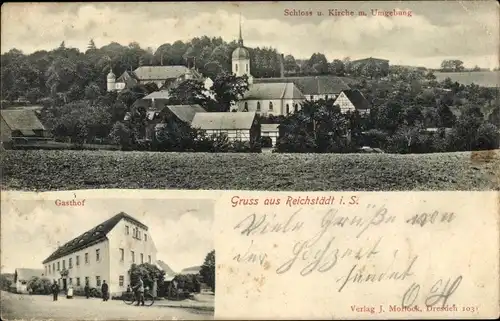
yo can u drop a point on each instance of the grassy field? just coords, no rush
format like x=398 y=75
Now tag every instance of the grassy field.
x=55 y=170
x=481 y=78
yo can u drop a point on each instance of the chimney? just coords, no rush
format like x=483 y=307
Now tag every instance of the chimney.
x=282 y=66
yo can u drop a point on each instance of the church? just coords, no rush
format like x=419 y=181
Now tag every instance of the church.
x=283 y=95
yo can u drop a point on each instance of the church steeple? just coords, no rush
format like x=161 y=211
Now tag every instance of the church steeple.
x=240 y=39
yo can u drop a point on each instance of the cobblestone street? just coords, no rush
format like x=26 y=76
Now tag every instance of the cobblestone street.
x=41 y=307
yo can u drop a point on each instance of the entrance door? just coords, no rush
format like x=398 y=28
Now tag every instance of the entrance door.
x=64 y=285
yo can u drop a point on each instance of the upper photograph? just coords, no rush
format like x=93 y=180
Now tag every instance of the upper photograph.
x=278 y=96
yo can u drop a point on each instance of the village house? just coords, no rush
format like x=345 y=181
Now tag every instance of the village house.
x=156 y=118
x=312 y=87
x=351 y=100
x=106 y=252
x=21 y=124
x=22 y=277
x=237 y=126
x=270 y=130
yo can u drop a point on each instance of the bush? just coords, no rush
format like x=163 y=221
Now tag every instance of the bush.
x=266 y=142
x=39 y=285
x=375 y=138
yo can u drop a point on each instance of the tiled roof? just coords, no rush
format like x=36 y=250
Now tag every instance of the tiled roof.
x=23 y=120
x=185 y=113
x=128 y=78
x=167 y=269
x=92 y=236
x=191 y=270
x=145 y=73
x=357 y=99
x=223 y=120
x=359 y=61
x=268 y=91
x=269 y=127
x=311 y=85
x=162 y=94
x=28 y=274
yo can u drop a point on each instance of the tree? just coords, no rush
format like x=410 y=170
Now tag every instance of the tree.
x=207 y=271
x=290 y=64
x=149 y=273
x=121 y=135
x=446 y=118
x=453 y=65
x=91 y=46
x=188 y=92
x=228 y=89
x=39 y=285
x=6 y=281
x=337 y=67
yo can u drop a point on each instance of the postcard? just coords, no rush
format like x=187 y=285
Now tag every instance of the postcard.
x=250 y=160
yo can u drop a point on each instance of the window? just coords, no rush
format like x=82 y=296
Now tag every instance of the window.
x=70 y=281
x=149 y=259
x=287 y=109
x=312 y=97
x=86 y=258
x=77 y=260
x=270 y=105
x=236 y=67
x=97 y=257
x=246 y=107
x=64 y=264
x=132 y=254
x=70 y=262
x=46 y=270
x=58 y=266
x=122 y=255
x=145 y=237
x=142 y=258
x=326 y=97
x=121 y=280
x=97 y=281
x=258 y=106
x=49 y=269
x=87 y=281
x=296 y=108
x=127 y=231
x=53 y=267
x=77 y=281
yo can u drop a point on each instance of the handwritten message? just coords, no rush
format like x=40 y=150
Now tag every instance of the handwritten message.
x=384 y=255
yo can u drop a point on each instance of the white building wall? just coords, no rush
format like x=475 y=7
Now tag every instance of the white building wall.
x=92 y=269
x=322 y=96
x=119 y=239
x=232 y=134
x=241 y=67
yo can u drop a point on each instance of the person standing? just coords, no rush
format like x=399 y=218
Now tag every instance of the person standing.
x=139 y=288
x=105 y=291
x=87 y=289
x=55 y=290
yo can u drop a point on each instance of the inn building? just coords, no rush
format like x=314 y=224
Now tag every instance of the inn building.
x=106 y=252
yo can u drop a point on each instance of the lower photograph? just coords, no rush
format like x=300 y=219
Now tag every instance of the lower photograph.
x=107 y=259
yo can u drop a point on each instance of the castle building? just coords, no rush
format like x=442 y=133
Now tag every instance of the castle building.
x=165 y=77
x=104 y=253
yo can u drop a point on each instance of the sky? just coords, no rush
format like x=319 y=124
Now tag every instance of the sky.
x=31 y=229
x=437 y=30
